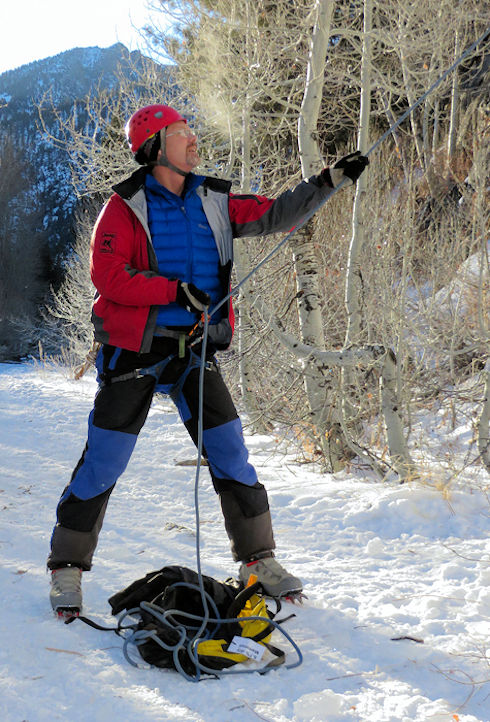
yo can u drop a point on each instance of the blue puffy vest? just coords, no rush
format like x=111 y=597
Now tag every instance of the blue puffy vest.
x=184 y=245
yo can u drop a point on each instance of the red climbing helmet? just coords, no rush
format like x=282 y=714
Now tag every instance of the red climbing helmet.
x=147 y=121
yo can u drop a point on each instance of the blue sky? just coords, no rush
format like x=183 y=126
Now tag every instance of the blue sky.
x=36 y=29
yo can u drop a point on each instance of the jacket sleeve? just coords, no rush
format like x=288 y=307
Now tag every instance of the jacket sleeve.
x=253 y=215
x=119 y=266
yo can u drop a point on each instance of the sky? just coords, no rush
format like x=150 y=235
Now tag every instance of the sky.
x=33 y=30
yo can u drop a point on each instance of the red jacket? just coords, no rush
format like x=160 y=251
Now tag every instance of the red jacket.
x=123 y=264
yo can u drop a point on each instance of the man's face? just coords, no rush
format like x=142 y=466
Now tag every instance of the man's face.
x=181 y=145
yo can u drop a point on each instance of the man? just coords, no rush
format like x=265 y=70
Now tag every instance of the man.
x=161 y=253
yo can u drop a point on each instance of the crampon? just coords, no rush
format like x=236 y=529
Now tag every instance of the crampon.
x=65 y=613
x=294 y=597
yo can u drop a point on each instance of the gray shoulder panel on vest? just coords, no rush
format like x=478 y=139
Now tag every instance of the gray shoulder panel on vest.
x=215 y=205
x=138 y=205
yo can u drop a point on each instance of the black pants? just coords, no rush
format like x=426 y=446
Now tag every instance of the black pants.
x=127 y=383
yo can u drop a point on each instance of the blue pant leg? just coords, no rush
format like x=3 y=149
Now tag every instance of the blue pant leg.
x=223 y=440
x=244 y=500
x=120 y=410
x=227 y=454
x=106 y=457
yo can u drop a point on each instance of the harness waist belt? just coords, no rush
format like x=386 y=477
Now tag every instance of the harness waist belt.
x=171 y=333
x=156 y=370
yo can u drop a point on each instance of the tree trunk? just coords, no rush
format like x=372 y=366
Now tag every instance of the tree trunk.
x=321 y=403
x=353 y=289
x=354 y=281
x=311 y=159
x=397 y=445
x=484 y=421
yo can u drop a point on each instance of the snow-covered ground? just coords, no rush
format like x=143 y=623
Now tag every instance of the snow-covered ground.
x=378 y=561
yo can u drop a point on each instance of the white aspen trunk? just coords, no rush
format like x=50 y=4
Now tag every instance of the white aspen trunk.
x=305 y=260
x=353 y=289
x=311 y=159
x=353 y=280
x=308 y=287
x=306 y=264
x=481 y=213
x=397 y=445
x=484 y=421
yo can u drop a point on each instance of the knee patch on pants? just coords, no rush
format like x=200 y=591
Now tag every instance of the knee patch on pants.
x=81 y=514
x=251 y=500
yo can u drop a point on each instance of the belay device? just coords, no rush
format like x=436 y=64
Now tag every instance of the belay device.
x=164 y=618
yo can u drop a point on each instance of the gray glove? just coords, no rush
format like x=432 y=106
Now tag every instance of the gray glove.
x=350 y=166
x=191 y=297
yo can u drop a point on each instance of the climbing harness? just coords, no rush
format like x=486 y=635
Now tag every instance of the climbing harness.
x=156 y=371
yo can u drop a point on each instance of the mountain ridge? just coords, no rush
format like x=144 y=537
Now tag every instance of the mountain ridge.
x=62 y=81
x=38 y=203
x=79 y=50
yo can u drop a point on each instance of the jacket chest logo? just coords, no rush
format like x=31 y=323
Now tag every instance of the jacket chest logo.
x=106 y=245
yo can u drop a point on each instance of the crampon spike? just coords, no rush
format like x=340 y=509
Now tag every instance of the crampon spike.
x=67 y=613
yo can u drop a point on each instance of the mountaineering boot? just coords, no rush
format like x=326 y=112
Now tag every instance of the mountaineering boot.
x=275 y=580
x=66 y=590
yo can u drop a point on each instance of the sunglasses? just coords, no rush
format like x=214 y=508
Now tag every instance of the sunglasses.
x=186 y=132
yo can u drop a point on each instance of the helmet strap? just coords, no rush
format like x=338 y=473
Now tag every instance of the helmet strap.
x=163 y=160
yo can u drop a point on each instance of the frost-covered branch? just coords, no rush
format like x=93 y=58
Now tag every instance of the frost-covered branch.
x=367 y=355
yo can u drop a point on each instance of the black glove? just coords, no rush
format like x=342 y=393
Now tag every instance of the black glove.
x=350 y=166
x=191 y=297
